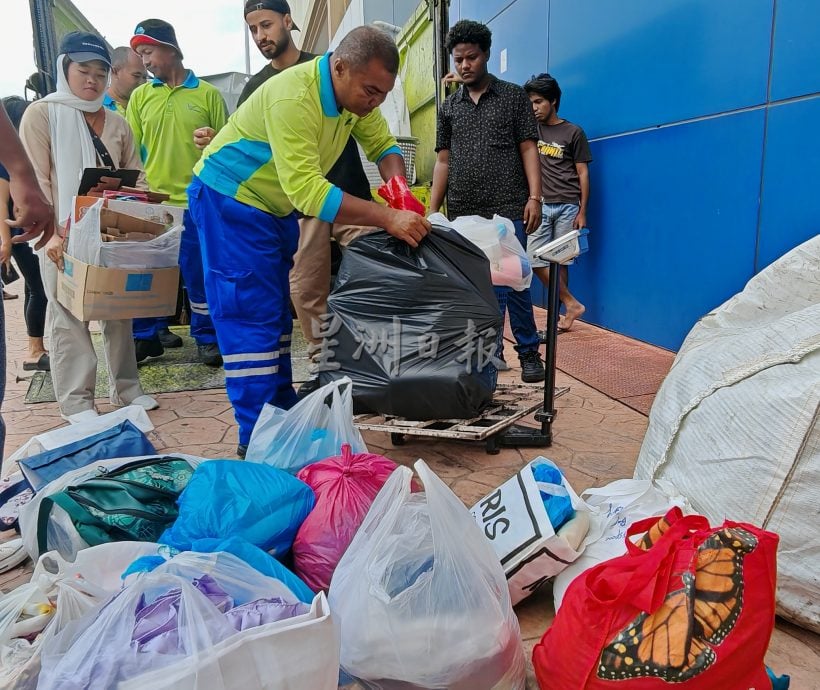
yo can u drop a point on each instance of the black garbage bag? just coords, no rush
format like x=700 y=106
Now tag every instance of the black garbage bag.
x=415 y=329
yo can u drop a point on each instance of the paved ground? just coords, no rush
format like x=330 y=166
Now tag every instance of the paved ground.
x=597 y=436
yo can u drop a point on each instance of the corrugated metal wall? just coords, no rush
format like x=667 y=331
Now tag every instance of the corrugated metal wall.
x=704 y=119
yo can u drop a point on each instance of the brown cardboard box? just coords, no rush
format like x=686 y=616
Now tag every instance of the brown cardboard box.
x=94 y=293
x=157 y=213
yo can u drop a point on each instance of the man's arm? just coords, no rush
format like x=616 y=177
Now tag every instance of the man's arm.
x=441 y=172
x=294 y=138
x=32 y=211
x=407 y=226
x=392 y=165
x=583 y=178
x=532 y=169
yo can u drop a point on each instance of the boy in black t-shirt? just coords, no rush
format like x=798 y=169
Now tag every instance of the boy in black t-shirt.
x=564 y=154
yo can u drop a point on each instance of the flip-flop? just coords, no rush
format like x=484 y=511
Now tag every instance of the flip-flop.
x=8 y=295
x=42 y=364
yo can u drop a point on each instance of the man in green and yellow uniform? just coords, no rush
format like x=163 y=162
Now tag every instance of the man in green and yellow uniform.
x=164 y=114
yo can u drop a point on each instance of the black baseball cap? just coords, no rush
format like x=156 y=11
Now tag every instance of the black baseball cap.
x=279 y=6
x=82 y=46
x=155 y=32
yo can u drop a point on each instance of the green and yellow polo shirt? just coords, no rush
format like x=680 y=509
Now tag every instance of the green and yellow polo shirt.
x=163 y=120
x=277 y=148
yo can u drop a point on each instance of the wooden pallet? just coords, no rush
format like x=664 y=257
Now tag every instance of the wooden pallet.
x=510 y=403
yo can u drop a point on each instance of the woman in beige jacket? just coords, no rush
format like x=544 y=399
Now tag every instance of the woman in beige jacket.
x=56 y=132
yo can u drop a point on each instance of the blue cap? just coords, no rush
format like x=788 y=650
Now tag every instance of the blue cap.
x=155 y=32
x=82 y=46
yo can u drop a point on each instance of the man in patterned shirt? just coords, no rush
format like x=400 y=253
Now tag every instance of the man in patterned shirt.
x=488 y=163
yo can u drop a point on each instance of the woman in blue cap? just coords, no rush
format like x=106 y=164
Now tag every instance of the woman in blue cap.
x=64 y=133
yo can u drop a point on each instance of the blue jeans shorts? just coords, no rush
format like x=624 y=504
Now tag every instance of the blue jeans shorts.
x=556 y=221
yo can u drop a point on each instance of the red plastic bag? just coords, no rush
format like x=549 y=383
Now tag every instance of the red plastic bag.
x=689 y=607
x=345 y=488
x=396 y=192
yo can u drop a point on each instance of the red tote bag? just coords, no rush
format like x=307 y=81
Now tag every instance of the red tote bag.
x=689 y=607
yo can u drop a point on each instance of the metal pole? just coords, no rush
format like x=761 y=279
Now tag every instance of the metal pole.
x=547 y=415
x=247 y=49
x=45 y=43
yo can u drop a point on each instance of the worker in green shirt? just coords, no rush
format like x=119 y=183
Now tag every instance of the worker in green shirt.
x=164 y=114
x=127 y=73
x=270 y=160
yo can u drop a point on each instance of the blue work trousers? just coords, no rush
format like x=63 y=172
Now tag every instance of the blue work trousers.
x=190 y=265
x=247 y=255
x=519 y=306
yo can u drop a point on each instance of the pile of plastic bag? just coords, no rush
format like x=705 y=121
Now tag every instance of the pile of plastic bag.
x=180 y=572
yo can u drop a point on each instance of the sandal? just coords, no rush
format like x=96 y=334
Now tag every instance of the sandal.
x=8 y=295
x=42 y=364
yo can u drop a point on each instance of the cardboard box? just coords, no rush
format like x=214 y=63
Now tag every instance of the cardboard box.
x=94 y=293
x=156 y=213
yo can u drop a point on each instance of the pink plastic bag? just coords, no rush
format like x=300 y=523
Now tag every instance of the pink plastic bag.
x=345 y=488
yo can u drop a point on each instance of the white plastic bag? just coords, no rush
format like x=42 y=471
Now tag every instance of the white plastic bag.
x=85 y=244
x=99 y=650
x=59 y=593
x=308 y=432
x=421 y=597
x=509 y=264
x=301 y=653
x=238 y=579
x=614 y=508
x=61 y=534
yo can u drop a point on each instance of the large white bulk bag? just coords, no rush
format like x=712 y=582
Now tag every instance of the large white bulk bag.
x=735 y=425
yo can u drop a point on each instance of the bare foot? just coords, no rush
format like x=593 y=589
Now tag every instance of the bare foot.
x=574 y=311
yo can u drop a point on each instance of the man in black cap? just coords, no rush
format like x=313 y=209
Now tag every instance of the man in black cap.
x=164 y=114
x=270 y=24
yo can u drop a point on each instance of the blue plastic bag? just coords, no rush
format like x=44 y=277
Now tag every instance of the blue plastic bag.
x=555 y=497
x=122 y=441
x=230 y=498
x=778 y=682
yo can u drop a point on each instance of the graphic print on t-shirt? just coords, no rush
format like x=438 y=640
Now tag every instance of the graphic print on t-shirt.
x=553 y=150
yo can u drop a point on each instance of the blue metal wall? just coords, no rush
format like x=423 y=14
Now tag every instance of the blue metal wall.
x=704 y=119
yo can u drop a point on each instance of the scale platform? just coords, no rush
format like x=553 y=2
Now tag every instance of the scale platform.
x=495 y=426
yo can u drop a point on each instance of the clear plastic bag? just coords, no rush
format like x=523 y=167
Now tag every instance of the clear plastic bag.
x=239 y=580
x=103 y=647
x=509 y=265
x=58 y=594
x=85 y=244
x=312 y=430
x=421 y=597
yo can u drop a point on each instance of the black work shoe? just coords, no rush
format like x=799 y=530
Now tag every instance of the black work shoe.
x=209 y=354
x=532 y=368
x=312 y=384
x=169 y=340
x=241 y=451
x=148 y=348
